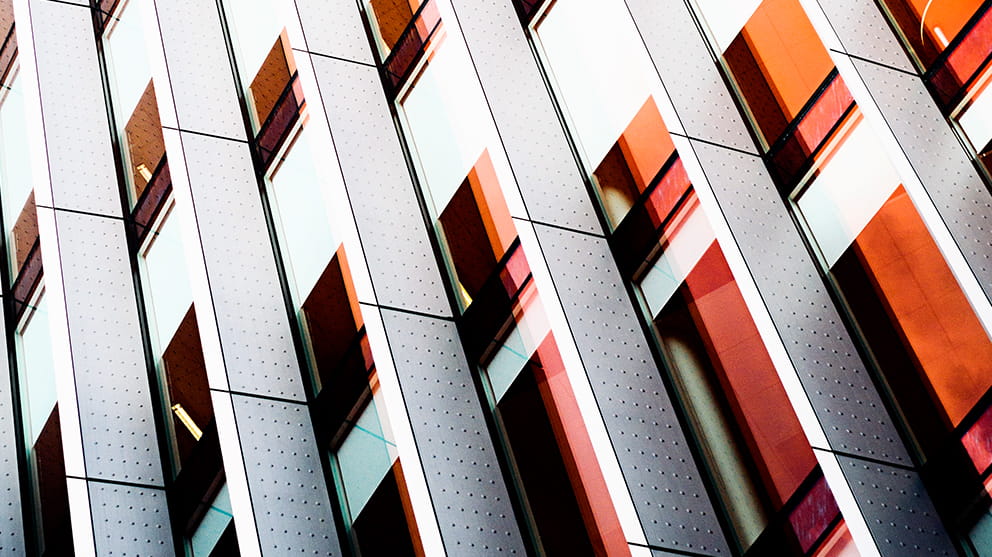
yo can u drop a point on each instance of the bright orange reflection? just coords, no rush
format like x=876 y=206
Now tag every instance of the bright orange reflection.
x=923 y=301
x=634 y=161
x=778 y=63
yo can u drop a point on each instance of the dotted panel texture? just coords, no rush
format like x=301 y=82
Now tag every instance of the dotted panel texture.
x=402 y=264
x=952 y=181
x=834 y=376
x=247 y=298
x=535 y=143
x=690 y=74
x=334 y=28
x=200 y=71
x=661 y=474
x=897 y=509
x=864 y=31
x=130 y=521
x=11 y=523
x=463 y=476
x=285 y=478
x=116 y=415
x=76 y=128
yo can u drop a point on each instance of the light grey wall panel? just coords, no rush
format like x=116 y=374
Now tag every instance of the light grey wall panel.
x=77 y=131
x=864 y=31
x=11 y=520
x=334 y=28
x=404 y=270
x=689 y=73
x=112 y=386
x=833 y=374
x=248 y=303
x=897 y=509
x=640 y=418
x=950 y=178
x=535 y=143
x=285 y=478
x=470 y=497
x=196 y=57
x=130 y=520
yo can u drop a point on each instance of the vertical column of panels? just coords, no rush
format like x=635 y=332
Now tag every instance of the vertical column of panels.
x=469 y=496
x=209 y=155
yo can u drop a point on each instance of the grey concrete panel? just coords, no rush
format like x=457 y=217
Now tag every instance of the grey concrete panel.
x=470 y=497
x=897 y=509
x=285 y=478
x=334 y=28
x=662 y=476
x=948 y=174
x=199 y=68
x=76 y=127
x=864 y=31
x=248 y=302
x=542 y=162
x=112 y=386
x=404 y=270
x=11 y=520
x=832 y=372
x=130 y=520
x=690 y=74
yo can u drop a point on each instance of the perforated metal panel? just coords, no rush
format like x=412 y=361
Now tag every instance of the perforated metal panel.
x=199 y=68
x=11 y=522
x=78 y=139
x=116 y=416
x=247 y=299
x=402 y=264
x=285 y=478
x=130 y=521
x=689 y=73
x=535 y=142
x=953 y=183
x=863 y=31
x=830 y=369
x=661 y=474
x=897 y=509
x=334 y=28
x=469 y=494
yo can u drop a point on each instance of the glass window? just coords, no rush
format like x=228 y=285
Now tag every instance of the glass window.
x=16 y=182
x=126 y=52
x=371 y=481
x=43 y=436
x=930 y=26
x=882 y=257
x=196 y=459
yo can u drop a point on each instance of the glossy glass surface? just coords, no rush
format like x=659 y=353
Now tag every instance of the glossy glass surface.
x=42 y=431
x=16 y=179
x=912 y=311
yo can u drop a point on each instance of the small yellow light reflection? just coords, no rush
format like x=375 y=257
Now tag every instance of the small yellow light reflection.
x=187 y=421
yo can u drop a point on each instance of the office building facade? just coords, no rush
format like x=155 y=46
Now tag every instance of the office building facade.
x=500 y=277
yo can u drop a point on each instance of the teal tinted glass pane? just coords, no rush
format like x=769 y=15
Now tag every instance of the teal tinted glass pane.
x=37 y=370
x=167 y=282
x=212 y=527
x=15 y=165
x=306 y=238
x=127 y=57
x=364 y=459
